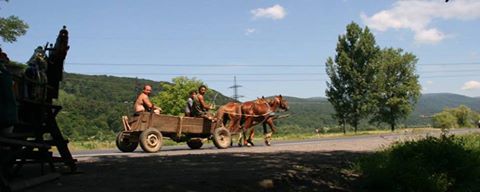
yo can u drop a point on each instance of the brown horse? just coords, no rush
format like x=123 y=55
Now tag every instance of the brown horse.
x=261 y=111
x=230 y=113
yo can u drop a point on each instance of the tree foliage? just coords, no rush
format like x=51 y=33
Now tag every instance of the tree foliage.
x=461 y=116
x=351 y=75
x=396 y=86
x=173 y=97
x=445 y=120
x=12 y=27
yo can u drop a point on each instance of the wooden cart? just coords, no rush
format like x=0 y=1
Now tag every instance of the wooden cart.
x=148 y=130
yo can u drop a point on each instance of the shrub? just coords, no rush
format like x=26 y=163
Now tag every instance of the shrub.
x=430 y=164
x=444 y=120
x=461 y=116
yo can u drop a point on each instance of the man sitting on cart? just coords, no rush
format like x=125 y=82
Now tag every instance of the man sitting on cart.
x=200 y=107
x=143 y=103
x=189 y=105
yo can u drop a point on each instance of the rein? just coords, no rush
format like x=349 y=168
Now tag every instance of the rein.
x=268 y=111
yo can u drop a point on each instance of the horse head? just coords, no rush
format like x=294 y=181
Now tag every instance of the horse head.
x=278 y=101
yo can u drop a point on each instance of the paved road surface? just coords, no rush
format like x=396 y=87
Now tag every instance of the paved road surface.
x=354 y=143
x=310 y=165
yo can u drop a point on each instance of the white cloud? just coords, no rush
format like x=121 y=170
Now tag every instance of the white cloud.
x=275 y=12
x=429 y=36
x=471 y=85
x=249 y=31
x=417 y=16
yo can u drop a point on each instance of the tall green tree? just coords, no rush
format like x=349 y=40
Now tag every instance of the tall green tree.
x=12 y=27
x=173 y=98
x=397 y=87
x=337 y=93
x=351 y=75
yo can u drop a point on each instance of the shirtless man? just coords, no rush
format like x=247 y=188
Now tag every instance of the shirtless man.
x=143 y=102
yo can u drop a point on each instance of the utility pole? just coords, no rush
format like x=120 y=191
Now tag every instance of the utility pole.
x=235 y=89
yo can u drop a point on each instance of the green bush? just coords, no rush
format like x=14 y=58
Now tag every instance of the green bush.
x=461 y=116
x=431 y=164
x=472 y=142
x=445 y=120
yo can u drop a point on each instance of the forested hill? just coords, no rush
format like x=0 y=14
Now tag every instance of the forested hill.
x=105 y=88
x=93 y=105
x=435 y=102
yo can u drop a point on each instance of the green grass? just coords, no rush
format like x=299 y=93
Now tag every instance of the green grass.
x=447 y=163
x=295 y=136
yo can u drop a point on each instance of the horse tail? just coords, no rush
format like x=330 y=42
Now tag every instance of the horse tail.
x=238 y=115
x=220 y=115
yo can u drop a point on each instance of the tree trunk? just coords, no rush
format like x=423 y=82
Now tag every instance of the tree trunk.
x=355 y=125
x=392 y=124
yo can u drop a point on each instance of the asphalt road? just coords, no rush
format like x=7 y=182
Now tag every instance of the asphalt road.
x=321 y=164
x=357 y=143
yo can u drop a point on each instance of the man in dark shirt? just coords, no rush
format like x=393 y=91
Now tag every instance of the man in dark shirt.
x=200 y=107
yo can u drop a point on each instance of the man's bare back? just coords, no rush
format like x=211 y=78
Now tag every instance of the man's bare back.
x=143 y=103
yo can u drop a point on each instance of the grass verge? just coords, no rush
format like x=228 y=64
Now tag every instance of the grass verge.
x=445 y=163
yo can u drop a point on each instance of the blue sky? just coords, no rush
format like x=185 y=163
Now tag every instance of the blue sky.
x=273 y=47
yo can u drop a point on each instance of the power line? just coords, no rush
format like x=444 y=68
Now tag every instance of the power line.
x=195 y=65
x=454 y=63
x=218 y=74
x=266 y=74
x=324 y=79
x=252 y=65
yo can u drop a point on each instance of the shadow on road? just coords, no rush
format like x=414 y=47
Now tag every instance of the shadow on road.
x=284 y=171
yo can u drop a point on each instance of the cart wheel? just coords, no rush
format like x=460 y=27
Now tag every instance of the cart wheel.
x=125 y=146
x=151 y=140
x=194 y=143
x=222 y=138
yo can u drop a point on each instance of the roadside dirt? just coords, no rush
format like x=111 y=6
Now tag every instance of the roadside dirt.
x=283 y=171
x=308 y=166
x=299 y=167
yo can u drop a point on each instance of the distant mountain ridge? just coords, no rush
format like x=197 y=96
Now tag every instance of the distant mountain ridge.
x=435 y=102
x=429 y=103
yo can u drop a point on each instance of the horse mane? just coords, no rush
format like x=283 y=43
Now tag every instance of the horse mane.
x=261 y=100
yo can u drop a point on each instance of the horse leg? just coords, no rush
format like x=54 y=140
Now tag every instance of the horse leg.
x=239 y=140
x=250 y=137
x=248 y=124
x=229 y=120
x=268 y=136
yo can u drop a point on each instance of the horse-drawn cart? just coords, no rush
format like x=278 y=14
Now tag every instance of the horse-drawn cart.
x=148 y=130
